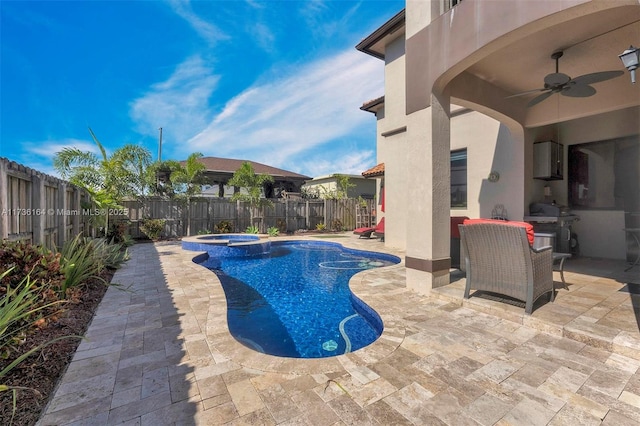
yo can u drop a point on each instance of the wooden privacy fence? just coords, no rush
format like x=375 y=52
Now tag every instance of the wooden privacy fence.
x=205 y=215
x=39 y=208
x=45 y=210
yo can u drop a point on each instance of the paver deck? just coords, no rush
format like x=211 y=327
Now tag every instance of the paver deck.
x=159 y=353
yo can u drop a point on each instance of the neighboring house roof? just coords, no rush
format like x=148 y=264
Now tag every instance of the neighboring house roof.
x=374 y=171
x=217 y=165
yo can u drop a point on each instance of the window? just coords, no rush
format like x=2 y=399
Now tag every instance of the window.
x=459 y=179
x=604 y=175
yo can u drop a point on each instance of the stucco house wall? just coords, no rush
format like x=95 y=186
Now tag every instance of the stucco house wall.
x=492 y=57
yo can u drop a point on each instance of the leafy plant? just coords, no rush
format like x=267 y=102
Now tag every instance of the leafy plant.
x=117 y=232
x=204 y=232
x=336 y=225
x=152 y=228
x=20 y=311
x=321 y=226
x=223 y=227
x=282 y=225
x=309 y=193
x=28 y=259
x=79 y=263
x=273 y=231
x=252 y=229
x=111 y=255
x=20 y=307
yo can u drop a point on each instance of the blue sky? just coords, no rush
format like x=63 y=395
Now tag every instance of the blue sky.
x=278 y=82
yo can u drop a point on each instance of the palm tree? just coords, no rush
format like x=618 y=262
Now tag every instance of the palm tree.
x=107 y=179
x=245 y=177
x=121 y=175
x=188 y=179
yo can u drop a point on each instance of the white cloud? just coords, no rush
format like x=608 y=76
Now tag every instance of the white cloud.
x=295 y=111
x=206 y=30
x=180 y=105
x=48 y=149
x=345 y=162
x=39 y=155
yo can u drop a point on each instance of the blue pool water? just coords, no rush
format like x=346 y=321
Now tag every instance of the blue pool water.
x=294 y=301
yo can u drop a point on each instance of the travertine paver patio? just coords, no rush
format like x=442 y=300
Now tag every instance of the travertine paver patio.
x=159 y=353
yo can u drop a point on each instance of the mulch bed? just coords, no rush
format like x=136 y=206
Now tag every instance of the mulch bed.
x=41 y=371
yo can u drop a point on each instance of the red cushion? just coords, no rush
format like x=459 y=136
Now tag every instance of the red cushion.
x=527 y=226
x=380 y=226
x=363 y=230
x=455 y=221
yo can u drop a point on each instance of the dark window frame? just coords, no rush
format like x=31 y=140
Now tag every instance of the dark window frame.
x=459 y=195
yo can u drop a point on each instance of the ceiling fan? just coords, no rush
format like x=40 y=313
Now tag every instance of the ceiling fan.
x=558 y=82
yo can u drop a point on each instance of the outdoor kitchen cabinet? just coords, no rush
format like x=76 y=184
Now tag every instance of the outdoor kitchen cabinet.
x=548 y=160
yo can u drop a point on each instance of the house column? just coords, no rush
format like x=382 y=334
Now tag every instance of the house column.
x=428 y=143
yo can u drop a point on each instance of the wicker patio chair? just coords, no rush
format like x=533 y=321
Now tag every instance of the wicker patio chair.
x=500 y=259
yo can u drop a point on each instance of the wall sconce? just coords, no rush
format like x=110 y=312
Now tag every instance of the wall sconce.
x=494 y=176
x=630 y=60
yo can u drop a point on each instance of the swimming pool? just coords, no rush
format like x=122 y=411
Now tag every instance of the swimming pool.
x=295 y=301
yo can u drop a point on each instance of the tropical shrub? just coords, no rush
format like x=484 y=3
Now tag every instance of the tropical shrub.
x=320 y=226
x=109 y=254
x=336 y=225
x=152 y=228
x=20 y=312
x=24 y=258
x=117 y=232
x=273 y=231
x=78 y=262
x=252 y=229
x=223 y=227
x=21 y=306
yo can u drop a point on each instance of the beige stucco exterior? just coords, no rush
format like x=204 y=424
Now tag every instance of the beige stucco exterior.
x=448 y=75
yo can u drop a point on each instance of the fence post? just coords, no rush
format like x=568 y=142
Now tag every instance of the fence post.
x=238 y=214
x=61 y=221
x=75 y=220
x=324 y=213
x=38 y=203
x=4 y=201
x=286 y=213
x=306 y=214
x=209 y=227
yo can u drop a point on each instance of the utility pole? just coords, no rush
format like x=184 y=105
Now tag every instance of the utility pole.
x=160 y=146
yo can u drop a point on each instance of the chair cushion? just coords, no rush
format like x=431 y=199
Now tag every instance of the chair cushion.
x=363 y=230
x=527 y=226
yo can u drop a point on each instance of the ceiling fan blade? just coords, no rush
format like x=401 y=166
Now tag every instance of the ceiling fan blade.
x=556 y=79
x=539 y=99
x=528 y=92
x=597 y=77
x=578 y=91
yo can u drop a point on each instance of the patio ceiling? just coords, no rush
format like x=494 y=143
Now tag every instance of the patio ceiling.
x=590 y=44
